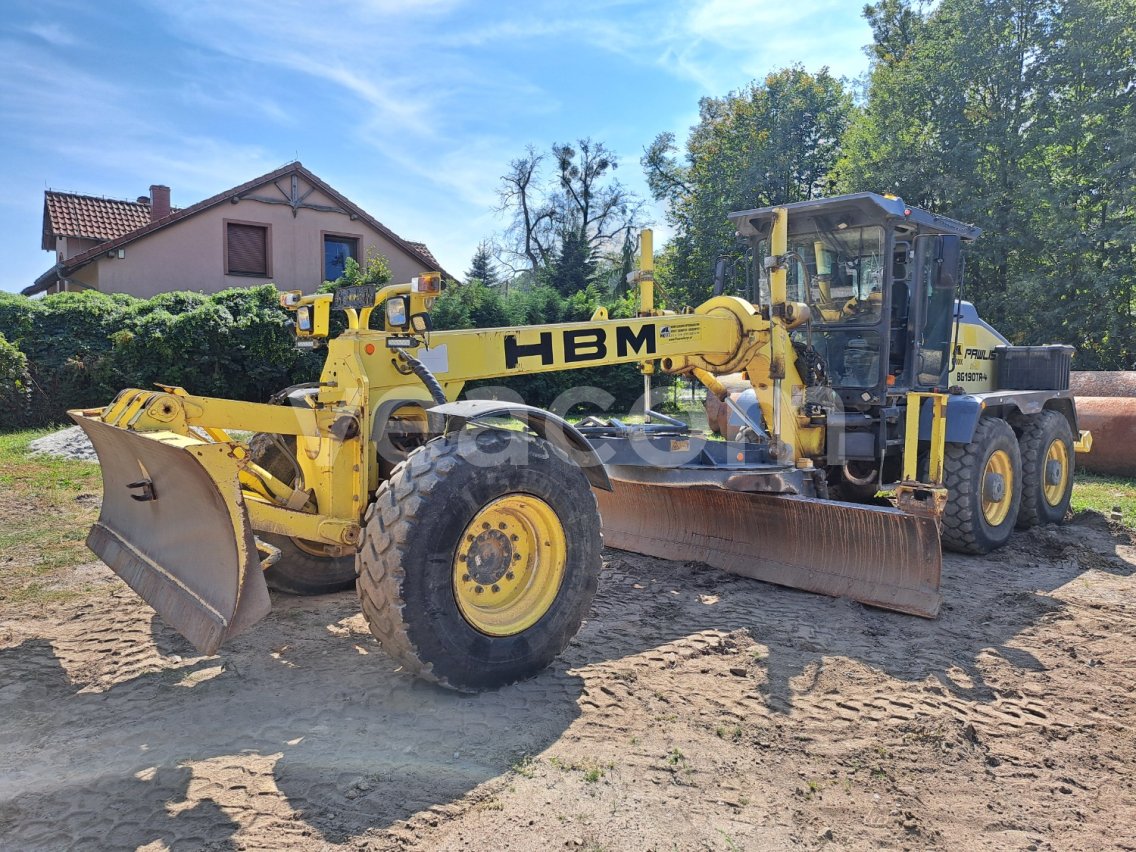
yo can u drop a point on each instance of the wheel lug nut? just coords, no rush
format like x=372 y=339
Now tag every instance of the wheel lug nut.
x=466 y=578
x=496 y=588
x=461 y=557
x=485 y=525
x=502 y=526
x=515 y=537
x=469 y=538
x=477 y=590
x=510 y=576
x=516 y=557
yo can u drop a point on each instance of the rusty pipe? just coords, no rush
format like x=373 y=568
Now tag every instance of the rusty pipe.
x=1112 y=420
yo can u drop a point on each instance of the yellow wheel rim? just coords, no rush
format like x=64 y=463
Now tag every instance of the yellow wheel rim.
x=509 y=565
x=1057 y=453
x=996 y=509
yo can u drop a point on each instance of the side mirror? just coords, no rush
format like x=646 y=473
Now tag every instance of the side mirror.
x=397 y=308
x=948 y=262
x=313 y=320
x=722 y=270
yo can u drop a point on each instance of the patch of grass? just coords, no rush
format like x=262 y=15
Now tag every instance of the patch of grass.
x=728 y=732
x=679 y=767
x=1103 y=493
x=592 y=770
x=47 y=506
x=526 y=766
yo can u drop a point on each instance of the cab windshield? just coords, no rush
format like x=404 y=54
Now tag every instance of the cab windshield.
x=839 y=273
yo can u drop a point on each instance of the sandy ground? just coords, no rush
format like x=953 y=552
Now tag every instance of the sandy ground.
x=695 y=710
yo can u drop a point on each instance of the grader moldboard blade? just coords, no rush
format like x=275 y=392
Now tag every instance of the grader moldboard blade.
x=174 y=527
x=878 y=556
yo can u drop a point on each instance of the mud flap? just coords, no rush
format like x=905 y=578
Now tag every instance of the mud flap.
x=174 y=527
x=878 y=556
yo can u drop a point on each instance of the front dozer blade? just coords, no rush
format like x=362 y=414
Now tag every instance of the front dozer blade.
x=174 y=527
x=878 y=556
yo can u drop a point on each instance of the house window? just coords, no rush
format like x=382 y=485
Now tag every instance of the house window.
x=246 y=249
x=336 y=250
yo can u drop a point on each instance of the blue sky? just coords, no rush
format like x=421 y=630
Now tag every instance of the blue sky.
x=411 y=108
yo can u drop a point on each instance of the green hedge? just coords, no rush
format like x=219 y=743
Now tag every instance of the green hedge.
x=82 y=348
x=15 y=386
x=77 y=350
x=473 y=305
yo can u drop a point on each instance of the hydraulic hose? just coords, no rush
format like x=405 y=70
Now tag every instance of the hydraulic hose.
x=428 y=379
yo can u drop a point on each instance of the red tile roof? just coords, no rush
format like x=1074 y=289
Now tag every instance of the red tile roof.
x=66 y=214
x=425 y=252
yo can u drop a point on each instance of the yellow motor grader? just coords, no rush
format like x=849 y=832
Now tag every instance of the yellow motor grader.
x=472 y=529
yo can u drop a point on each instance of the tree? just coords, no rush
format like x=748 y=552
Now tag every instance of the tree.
x=561 y=223
x=896 y=25
x=529 y=237
x=1016 y=115
x=481 y=267
x=574 y=266
x=771 y=142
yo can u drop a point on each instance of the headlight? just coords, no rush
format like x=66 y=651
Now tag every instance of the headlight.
x=428 y=282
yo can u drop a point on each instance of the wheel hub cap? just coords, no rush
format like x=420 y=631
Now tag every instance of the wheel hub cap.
x=509 y=565
x=994 y=487
x=1056 y=473
x=489 y=556
x=997 y=488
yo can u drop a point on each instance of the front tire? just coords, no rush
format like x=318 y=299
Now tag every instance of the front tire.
x=475 y=576
x=1047 y=469
x=984 y=488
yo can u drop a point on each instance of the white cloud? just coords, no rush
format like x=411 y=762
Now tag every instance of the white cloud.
x=88 y=127
x=52 y=33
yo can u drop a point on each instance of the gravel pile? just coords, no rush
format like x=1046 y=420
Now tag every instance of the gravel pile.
x=70 y=443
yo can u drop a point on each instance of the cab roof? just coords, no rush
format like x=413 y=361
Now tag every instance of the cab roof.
x=857 y=209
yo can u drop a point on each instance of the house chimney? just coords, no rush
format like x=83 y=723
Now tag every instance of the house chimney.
x=159 y=201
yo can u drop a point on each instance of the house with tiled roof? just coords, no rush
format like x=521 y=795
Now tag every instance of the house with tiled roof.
x=288 y=227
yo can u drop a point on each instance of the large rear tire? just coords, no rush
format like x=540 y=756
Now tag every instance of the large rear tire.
x=1047 y=469
x=984 y=488
x=476 y=576
x=302 y=569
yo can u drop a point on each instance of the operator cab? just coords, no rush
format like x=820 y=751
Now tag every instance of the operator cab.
x=880 y=279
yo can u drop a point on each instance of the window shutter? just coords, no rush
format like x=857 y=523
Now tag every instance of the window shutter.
x=248 y=249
